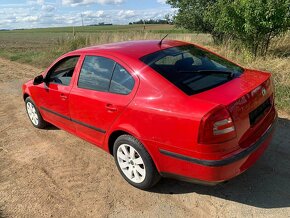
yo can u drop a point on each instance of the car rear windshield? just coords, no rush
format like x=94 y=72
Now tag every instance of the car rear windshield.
x=191 y=69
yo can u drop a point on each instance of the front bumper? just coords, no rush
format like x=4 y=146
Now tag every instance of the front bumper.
x=214 y=171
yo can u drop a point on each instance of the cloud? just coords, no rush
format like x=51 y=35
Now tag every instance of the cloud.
x=35 y=2
x=163 y=2
x=48 y=8
x=93 y=14
x=74 y=3
x=40 y=2
x=126 y=14
x=29 y=19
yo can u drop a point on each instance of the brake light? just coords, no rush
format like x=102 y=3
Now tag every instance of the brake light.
x=216 y=127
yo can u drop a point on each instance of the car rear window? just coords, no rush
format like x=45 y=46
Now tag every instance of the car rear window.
x=191 y=69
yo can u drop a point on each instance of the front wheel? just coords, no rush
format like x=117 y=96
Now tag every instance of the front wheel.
x=34 y=114
x=134 y=163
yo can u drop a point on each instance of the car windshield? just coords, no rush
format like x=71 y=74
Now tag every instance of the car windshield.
x=191 y=69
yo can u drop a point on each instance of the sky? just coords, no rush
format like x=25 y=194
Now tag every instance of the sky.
x=18 y=14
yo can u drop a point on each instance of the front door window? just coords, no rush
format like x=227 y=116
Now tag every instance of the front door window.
x=62 y=72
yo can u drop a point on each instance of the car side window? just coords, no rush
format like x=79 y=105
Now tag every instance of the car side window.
x=122 y=82
x=96 y=73
x=61 y=72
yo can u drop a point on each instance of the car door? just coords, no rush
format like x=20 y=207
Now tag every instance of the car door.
x=103 y=89
x=53 y=94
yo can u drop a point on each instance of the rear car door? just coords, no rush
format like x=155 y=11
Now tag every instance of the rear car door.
x=53 y=95
x=103 y=90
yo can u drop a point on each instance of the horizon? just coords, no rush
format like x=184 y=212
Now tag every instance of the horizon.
x=30 y=14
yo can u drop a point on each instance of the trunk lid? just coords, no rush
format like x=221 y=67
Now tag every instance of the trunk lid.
x=248 y=98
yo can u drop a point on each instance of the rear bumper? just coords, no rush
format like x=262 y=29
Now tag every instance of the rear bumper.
x=214 y=171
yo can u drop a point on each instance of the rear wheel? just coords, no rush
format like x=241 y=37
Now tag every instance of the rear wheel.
x=134 y=163
x=34 y=114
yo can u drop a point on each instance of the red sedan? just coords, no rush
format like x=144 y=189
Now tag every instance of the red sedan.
x=170 y=109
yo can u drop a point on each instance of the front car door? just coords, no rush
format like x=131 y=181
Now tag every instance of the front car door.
x=53 y=94
x=103 y=89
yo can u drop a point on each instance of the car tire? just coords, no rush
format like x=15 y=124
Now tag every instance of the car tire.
x=34 y=114
x=134 y=162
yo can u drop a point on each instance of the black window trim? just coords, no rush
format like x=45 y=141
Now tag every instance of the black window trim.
x=115 y=63
x=112 y=75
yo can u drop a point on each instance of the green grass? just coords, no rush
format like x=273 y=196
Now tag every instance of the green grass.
x=283 y=97
x=39 y=47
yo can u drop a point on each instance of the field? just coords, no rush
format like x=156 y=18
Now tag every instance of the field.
x=50 y=173
x=39 y=47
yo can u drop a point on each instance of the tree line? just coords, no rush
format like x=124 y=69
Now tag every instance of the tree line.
x=151 y=21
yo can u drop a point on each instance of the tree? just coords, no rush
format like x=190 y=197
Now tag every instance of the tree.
x=253 y=22
x=194 y=15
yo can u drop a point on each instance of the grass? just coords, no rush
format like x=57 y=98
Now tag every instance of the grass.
x=277 y=62
x=39 y=47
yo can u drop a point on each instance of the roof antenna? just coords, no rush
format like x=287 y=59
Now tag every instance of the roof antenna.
x=160 y=43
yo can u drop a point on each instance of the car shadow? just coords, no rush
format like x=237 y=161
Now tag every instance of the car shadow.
x=51 y=127
x=2 y=213
x=265 y=185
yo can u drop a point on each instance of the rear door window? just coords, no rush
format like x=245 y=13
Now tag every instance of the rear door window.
x=104 y=74
x=122 y=82
x=96 y=73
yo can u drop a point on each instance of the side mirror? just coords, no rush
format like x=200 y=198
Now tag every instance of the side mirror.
x=38 y=80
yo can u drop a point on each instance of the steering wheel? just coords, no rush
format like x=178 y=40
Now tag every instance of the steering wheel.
x=57 y=80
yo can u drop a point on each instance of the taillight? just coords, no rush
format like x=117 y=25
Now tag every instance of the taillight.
x=216 y=127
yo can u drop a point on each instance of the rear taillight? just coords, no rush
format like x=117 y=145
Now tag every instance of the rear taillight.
x=216 y=127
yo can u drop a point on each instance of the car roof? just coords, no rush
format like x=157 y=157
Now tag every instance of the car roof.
x=133 y=49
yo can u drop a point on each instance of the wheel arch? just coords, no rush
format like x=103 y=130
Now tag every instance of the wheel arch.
x=113 y=137
x=25 y=95
x=124 y=131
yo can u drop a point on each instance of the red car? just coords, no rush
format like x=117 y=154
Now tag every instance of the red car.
x=170 y=109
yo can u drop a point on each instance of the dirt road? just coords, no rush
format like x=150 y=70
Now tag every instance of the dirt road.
x=50 y=173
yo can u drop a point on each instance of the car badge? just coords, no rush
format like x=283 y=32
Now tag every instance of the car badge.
x=264 y=92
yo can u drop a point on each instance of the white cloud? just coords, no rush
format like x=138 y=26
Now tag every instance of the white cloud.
x=93 y=14
x=87 y=2
x=33 y=2
x=126 y=14
x=163 y=2
x=6 y=21
x=41 y=2
x=48 y=8
x=29 y=19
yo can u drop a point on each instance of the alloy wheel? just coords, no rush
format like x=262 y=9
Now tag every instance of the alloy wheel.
x=131 y=163
x=32 y=113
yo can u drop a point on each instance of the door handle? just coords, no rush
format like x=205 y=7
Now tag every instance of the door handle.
x=111 y=108
x=63 y=96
